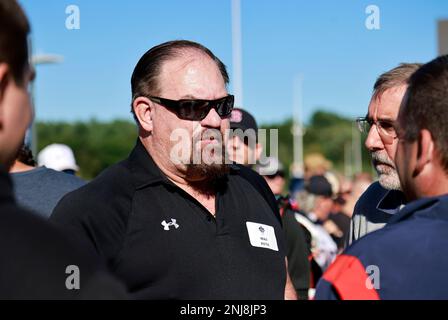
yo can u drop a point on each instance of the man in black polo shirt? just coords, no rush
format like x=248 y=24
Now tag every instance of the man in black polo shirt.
x=172 y=226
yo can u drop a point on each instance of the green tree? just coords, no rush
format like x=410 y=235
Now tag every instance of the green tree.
x=96 y=145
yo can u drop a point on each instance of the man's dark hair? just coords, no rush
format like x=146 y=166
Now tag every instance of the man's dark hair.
x=14 y=29
x=426 y=105
x=144 y=81
x=25 y=155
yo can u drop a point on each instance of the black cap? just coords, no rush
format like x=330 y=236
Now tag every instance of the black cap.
x=241 y=119
x=319 y=185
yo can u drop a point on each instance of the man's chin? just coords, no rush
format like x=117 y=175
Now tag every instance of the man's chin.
x=389 y=182
x=207 y=172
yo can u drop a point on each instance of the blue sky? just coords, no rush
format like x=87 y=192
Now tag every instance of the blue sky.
x=324 y=40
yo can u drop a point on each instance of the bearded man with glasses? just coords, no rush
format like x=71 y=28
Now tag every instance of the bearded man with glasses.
x=383 y=198
x=175 y=220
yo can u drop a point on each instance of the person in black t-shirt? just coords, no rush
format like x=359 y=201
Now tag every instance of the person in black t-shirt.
x=175 y=220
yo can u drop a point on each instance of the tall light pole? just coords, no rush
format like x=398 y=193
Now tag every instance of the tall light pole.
x=348 y=167
x=357 y=148
x=36 y=60
x=297 y=129
x=237 y=53
x=442 y=36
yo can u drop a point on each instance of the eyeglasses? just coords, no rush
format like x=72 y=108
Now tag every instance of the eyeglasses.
x=197 y=109
x=385 y=128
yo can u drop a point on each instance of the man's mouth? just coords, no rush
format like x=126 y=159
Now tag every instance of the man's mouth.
x=383 y=167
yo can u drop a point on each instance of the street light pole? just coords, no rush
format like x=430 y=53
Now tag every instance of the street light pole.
x=36 y=60
x=298 y=130
x=357 y=148
x=237 y=53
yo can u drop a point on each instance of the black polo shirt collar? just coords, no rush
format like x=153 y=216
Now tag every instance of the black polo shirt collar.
x=144 y=170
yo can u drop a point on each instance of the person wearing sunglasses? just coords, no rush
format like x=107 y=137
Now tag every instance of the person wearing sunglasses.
x=384 y=197
x=174 y=220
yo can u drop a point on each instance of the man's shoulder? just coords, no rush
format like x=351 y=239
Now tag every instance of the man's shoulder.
x=251 y=176
x=410 y=243
x=27 y=240
x=115 y=179
x=258 y=183
x=388 y=242
x=22 y=230
x=58 y=180
x=62 y=178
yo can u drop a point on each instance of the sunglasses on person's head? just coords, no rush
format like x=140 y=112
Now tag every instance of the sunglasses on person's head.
x=197 y=109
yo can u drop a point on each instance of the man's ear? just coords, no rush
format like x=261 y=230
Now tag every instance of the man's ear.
x=143 y=109
x=258 y=150
x=4 y=81
x=4 y=78
x=425 y=150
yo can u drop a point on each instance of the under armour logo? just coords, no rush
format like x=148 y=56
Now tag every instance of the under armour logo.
x=167 y=225
x=261 y=229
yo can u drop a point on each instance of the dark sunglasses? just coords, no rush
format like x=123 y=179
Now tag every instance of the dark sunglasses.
x=275 y=175
x=197 y=109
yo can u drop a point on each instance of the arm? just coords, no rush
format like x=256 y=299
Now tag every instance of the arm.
x=290 y=292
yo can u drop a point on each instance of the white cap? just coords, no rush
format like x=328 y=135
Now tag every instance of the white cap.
x=268 y=166
x=57 y=157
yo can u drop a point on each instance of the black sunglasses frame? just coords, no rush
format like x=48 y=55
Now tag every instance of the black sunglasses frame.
x=197 y=109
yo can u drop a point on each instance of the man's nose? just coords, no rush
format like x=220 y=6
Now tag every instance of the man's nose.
x=212 y=120
x=373 y=140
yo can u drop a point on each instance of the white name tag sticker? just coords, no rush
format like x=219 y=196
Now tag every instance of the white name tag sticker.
x=262 y=236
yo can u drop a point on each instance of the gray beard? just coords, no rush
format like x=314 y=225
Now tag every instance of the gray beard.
x=388 y=176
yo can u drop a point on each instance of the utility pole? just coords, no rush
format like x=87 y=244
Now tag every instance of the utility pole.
x=356 y=146
x=237 y=53
x=442 y=35
x=298 y=130
x=35 y=61
x=348 y=167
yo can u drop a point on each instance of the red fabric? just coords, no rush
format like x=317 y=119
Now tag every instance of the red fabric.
x=294 y=205
x=349 y=278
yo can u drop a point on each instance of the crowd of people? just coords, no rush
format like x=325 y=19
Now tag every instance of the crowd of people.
x=166 y=224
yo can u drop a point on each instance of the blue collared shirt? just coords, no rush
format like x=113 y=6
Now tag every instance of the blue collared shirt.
x=373 y=210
